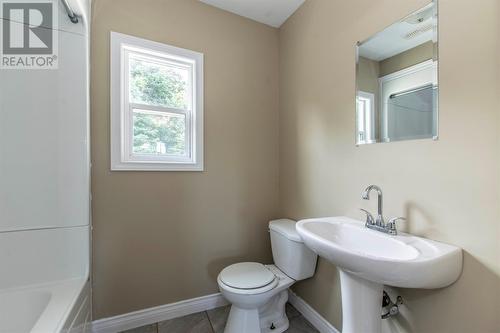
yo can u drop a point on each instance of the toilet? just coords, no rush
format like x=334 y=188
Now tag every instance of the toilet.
x=258 y=293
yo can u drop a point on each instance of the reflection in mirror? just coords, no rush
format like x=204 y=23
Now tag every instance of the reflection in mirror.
x=397 y=81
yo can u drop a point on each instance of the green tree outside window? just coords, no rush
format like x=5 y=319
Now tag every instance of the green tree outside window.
x=157 y=85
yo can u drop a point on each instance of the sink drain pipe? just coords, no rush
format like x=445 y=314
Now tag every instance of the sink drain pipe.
x=391 y=308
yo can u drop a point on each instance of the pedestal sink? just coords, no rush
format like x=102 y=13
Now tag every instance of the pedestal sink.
x=369 y=259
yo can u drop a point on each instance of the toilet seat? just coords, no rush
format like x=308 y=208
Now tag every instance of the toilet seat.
x=247 y=278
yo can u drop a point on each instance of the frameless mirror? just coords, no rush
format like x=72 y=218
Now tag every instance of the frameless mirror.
x=397 y=81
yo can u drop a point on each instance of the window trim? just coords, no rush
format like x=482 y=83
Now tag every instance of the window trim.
x=369 y=119
x=122 y=109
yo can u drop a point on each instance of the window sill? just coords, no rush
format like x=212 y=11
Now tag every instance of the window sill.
x=137 y=166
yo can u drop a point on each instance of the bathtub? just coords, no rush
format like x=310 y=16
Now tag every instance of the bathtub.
x=44 y=194
x=44 y=284
x=61 y=306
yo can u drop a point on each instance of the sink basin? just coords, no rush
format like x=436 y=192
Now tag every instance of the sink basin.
x=401 y=261
x=370 y=259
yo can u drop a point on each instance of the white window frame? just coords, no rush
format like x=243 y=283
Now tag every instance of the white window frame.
x=122 y=157
x=367 y=113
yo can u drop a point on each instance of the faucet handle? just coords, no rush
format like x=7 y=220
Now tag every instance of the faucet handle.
x=391 y=225
x=369 y=217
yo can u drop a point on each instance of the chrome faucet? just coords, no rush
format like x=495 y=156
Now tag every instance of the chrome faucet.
x=366 y=195
x=379 y=223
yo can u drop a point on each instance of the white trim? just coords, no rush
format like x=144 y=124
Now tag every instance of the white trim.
x=183 y=308
x=120 y=44
x=156 y=314
x=368 y=117
x=320 y=323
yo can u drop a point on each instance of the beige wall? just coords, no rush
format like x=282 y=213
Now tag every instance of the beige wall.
x=161 y=237
x=406 y=59
x=368 y=74
x=449 y=189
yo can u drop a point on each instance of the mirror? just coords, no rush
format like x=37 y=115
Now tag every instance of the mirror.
x=397 y=81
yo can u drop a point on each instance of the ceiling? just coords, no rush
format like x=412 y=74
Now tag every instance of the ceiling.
x=270 y=12
x=395 y=38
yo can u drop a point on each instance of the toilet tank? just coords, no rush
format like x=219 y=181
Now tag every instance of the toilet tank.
x=289 y=252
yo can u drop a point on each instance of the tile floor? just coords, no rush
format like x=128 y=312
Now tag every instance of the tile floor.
x=213 y=321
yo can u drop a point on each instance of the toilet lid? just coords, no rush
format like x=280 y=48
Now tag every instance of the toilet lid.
x=246 y=275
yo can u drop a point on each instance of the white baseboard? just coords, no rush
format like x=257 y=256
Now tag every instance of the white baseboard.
x=156 y=314
x=320 y=323
x=183 y=308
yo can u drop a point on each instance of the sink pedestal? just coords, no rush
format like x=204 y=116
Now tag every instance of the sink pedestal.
x=402 y=261
x=361 y=304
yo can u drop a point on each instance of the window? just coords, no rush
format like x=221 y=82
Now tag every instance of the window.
x=156 y=106
x=365 y=117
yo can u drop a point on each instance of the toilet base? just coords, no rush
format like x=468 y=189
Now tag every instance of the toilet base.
x=271 y=317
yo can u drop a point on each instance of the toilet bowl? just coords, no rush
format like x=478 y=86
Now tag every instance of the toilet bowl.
x=258 y=293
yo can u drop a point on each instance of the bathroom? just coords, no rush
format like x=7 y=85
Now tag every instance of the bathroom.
x=106 y=228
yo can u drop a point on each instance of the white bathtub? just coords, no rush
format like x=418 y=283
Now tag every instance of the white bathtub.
x=44 y=280
x=61 y=306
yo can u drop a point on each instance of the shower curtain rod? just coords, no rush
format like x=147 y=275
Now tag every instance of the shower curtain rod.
x=409 y=91
x=71 y=14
